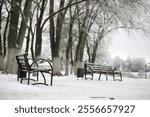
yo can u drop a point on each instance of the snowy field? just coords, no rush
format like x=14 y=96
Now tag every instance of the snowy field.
x=70 y=87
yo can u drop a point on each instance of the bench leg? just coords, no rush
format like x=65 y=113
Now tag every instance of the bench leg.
x=18 y=76
x=99 y=76
x=28 y=77
x=89 y=78
x=51 y=80
x=114 y=77
x=37 y=76
x=120 y=77
x=21 y=80
x=43 y=78
x=106 y=77
x=85 y=76
x=92 y=77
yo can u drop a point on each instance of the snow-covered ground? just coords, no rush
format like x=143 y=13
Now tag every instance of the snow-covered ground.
x=70 y=87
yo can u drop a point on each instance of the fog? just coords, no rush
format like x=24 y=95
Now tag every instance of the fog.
x=133 y=44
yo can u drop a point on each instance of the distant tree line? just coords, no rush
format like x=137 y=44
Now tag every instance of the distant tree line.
x=132 y=64
x=74 y=26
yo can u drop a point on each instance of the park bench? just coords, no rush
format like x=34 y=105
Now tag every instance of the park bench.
x=26 y=67
x=91 y=68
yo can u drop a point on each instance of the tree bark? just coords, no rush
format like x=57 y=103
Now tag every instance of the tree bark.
x=28 y=41
x=95 y=47
x=55 y=38
x=5 y=34
x=11 y=66
x=32 y=37
x=88 y=52
x=39 y=29
x=82 y=38
x=38 y=43
x=23 y=27
x=1 y=47
x=69 y=47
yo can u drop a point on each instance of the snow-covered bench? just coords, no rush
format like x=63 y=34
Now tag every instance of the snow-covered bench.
x=91 y=68
x=25 y=67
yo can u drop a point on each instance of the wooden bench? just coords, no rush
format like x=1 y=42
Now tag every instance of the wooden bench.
x=91 y=68
x=26 y=67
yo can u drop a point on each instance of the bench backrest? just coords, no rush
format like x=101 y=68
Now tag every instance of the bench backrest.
x=97 y=67
x=22 y=61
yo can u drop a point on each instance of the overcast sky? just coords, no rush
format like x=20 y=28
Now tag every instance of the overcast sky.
x=146 y=1
x=134 y=45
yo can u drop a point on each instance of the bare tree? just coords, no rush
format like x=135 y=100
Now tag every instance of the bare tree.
x=39 y=29
x=55 y=34
x=82 y=37
x=69 y=56
x=114 y=15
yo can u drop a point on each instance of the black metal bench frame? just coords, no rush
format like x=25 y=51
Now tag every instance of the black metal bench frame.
x=91 y=68
x=24 y=68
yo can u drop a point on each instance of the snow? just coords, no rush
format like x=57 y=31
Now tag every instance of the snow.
x=71 y=87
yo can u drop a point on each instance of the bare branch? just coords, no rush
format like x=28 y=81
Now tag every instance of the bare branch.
x=60 y=11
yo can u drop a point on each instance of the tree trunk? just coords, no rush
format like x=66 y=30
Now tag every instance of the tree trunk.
x=71 y=62
x=32 y=51
x=67 y=66
x=95 y=47
x=5 y=35
x=56 y=62
x=38 y=43
x=23 y=27
x=12 y=36
x=82 y=38
x=88 y=52
x=79 y=55
x=72 y=69
x=59 y=25
x=69 y=48
x=52 y=40
x=1 y=47
x=1 y=62
x=56 y=39
x=32 y=37
x=1 y=53
x=11 y=60
x=28 y=41
x=52 y=28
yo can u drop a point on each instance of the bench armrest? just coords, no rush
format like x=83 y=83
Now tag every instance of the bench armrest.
x=90 y=68
x=116 y=69
x=35 y=63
